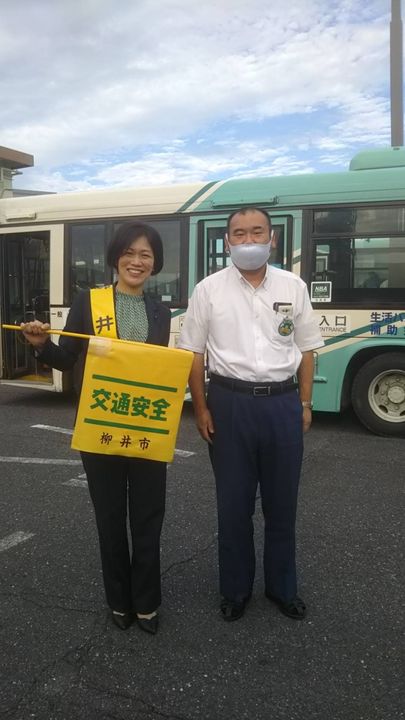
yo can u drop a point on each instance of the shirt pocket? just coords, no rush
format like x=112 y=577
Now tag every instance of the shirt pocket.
x=283 y=328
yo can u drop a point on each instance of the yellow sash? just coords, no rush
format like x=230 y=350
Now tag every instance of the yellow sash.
x=103 y=311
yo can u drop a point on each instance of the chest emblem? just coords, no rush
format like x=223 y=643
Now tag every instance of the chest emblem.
x=286 y=327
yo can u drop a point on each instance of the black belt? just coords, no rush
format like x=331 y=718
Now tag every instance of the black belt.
x=257 y=389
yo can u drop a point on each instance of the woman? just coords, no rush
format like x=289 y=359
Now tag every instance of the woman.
x=131 y=580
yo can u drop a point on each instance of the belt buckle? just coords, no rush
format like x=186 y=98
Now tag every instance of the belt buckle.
x=259 y=391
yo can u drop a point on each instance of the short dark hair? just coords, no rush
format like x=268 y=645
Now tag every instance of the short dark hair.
x=125 y=236
x=243 y=211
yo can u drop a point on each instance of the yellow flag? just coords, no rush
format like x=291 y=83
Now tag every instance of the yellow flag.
x=131 y=399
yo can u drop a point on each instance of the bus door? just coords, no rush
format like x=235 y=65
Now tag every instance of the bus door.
x=24 y=267
x=212 y=255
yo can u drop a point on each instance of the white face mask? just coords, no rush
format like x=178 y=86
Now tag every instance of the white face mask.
x=250 y=256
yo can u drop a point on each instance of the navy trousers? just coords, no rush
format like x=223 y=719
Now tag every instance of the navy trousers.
x=119 y=485
x=257 y=441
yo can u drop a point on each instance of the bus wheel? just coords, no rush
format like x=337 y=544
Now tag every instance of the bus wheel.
x=378 y=394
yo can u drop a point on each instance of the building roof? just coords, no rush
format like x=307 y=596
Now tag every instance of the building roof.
x=14 y=159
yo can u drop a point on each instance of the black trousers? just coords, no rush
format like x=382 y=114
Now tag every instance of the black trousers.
x=257 y=441
x=131 y=571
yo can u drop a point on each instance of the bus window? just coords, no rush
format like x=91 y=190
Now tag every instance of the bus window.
x=361 y=268
x=87 y=263
x=217 y=256
x=166 y=285
x=88 y=267
x=360 y=221
x=278 y=256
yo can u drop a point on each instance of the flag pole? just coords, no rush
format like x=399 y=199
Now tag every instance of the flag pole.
x=52 y=332
x=81 y=336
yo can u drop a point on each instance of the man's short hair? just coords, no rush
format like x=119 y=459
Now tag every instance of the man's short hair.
x=243 y=211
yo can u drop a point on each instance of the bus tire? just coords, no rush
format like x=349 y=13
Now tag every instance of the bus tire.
x=378 y=394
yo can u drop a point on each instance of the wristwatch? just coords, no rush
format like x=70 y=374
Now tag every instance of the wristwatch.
x=307 y=403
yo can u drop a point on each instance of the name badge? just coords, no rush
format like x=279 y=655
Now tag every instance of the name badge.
x=286 y=311
x=286 y=327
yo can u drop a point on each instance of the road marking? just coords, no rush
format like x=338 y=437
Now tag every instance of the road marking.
x=14 y=539
x=76 y=482
x=66 y=431
x=39 y=461
x=183 y=453
x=54 y=428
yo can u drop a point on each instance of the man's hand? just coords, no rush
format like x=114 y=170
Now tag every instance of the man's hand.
x=35 y=332
x=205 y=425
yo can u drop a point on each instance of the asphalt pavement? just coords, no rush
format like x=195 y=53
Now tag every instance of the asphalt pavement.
x=61 y=657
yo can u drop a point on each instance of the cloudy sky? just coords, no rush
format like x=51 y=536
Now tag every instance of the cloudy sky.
x=140 y=92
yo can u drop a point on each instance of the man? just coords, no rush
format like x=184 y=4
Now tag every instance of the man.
x=257 y=324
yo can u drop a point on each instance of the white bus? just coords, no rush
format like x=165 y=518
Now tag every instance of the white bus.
x=344 y=233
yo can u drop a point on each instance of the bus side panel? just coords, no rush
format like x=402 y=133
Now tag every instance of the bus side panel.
x=332 y=366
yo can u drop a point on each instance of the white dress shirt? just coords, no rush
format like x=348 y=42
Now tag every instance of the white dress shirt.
x=254 y=334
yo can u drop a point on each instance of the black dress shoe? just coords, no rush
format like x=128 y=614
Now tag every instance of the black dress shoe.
x=149 y=625
x=122 y=621
x=232 y=610
x=294 y=608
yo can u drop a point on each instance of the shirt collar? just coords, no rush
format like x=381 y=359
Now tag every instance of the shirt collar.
x=265 y=282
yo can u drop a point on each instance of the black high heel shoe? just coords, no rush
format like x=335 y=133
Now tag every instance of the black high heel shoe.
x=123 y=621
x=149 y=625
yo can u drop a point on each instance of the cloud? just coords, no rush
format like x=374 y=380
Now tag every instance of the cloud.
x=113 y=85
x=177 y=164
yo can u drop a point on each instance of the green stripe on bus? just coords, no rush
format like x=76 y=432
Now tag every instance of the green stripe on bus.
x=105 y=423
x=135 y=384
x=197 y=195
